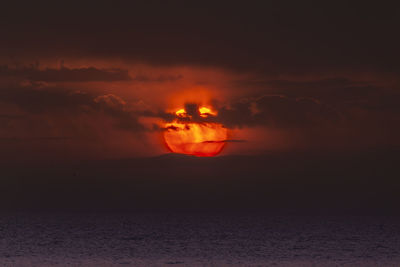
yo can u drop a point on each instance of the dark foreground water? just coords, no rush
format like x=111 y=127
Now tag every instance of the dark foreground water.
x=156 y=239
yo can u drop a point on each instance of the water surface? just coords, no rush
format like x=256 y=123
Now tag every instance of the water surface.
x=197 y=239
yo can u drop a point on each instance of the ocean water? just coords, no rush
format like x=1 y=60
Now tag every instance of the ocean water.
x=197 y=239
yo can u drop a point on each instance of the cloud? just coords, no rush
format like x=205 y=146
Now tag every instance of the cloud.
x=160 y=78
x=274 y=111
x=71 y=104
x=111 y=101
x=41 y=138
x=337 y=112
x=269 y=37
x=312 y=110
x=277 y=111
x=64 y=74
x=49 y=100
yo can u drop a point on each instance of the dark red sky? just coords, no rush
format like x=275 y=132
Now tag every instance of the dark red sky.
x=310 y=94
x=97 y=81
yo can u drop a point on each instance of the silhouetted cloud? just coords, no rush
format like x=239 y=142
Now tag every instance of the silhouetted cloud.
x=65 y=74
x=277 y=111
x=269 y=37
x=40 y=138
x=161 y=78
x=55 y=102
x=110 y=101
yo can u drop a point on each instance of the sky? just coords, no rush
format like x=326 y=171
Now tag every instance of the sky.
x=308 y=93
x=99 y=81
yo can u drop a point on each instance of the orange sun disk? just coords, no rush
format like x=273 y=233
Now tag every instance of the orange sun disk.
x=199 y=139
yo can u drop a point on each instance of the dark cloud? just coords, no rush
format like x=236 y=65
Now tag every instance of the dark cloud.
x=341 y=95
x=294 y=106
x=64 y=74
x=268 y=37
x=340 y=112
x=57 y=102
x=41 y=138
x=110 y=101
x=275 y=111
x=161 y=78
x=367 y=113
x=292 y=86
x=366 y=102
x=278 y=111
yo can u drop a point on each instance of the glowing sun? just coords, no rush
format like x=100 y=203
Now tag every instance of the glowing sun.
x=187 y=136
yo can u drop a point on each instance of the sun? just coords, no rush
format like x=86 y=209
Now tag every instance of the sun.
x=199 y=138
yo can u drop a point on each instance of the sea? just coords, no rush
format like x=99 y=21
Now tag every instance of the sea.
x=196 y=239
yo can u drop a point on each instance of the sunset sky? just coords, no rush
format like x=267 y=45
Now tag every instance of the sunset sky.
x=303 y=103
x=100 y=82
